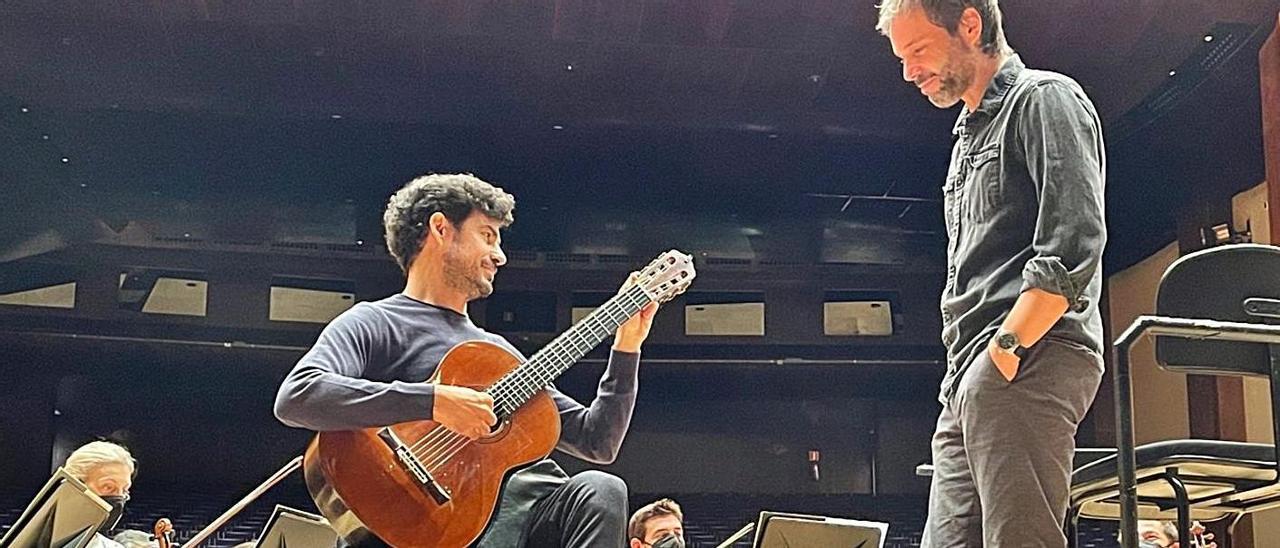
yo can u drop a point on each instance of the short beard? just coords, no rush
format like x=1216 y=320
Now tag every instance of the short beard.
x=955 y=77
x=459 y=277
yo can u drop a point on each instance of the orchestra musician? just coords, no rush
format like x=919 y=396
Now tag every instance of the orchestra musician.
x=107 y=469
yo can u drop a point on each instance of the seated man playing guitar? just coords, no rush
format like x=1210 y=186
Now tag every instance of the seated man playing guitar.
x=371 y=366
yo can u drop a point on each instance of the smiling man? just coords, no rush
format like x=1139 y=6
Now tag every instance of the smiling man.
x=1023 y=205
x=371 y=365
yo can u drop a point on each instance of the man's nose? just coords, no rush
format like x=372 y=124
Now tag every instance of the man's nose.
x=910 y=71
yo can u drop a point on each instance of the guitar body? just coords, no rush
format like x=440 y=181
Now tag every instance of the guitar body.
x=367 y=494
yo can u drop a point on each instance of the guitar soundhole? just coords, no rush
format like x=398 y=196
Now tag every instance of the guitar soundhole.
x=497 y=431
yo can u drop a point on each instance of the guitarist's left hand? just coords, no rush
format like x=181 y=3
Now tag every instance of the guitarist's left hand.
x=634 y=331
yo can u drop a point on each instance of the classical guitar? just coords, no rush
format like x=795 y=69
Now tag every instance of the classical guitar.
x=418 y=484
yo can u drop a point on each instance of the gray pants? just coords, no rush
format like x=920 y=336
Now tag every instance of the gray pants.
x=1002 y=450
x=588 y=511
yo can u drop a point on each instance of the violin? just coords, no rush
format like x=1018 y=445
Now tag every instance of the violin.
x=163 y=533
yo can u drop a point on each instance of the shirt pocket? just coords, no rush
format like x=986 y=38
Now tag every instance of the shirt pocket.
x=953 y=207
x=983 y=190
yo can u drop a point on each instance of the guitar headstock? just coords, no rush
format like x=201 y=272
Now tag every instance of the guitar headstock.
x=667 y=276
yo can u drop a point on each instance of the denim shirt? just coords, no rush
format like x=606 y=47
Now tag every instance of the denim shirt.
x=1023 y=202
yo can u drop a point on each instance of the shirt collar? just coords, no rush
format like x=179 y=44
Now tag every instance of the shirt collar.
x=997 y=89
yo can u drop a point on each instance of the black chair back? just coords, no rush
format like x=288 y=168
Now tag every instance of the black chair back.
x=1214 y=284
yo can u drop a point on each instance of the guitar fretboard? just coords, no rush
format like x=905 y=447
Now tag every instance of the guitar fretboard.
x=514 y=389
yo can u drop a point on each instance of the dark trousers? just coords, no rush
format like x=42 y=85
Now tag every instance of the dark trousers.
x=588 y=511
x=1002 y=450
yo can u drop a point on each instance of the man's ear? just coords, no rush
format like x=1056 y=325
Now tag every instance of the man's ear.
x=970 y=27
x=438 y=226
x=635 y=543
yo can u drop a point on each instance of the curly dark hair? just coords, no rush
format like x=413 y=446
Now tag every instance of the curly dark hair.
x=456 y=195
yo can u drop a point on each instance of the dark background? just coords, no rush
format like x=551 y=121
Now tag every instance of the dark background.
x=245 y=142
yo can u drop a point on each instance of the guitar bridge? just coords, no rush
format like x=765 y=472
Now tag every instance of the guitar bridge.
x=414 y=466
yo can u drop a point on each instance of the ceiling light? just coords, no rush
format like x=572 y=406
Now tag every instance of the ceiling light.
x=557 y=127
x=1208 y=38
x=569 y=68
x=336 y=116
x=1173 y=73
x=66 y=160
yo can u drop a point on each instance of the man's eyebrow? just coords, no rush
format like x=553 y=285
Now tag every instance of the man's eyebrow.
x=907 y=48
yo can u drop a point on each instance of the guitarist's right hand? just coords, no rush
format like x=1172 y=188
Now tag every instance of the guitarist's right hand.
x=463 y=410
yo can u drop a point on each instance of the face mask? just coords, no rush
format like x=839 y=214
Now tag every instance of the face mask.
x=1150 y=544
x=117 y=512
x=670 y=540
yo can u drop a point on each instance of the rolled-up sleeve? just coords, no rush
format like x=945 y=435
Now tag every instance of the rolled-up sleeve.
x=1062 y=143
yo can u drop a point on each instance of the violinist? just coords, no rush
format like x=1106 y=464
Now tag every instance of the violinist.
x=106 y=469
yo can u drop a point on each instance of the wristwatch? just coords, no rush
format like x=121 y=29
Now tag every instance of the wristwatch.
x=1007 y=341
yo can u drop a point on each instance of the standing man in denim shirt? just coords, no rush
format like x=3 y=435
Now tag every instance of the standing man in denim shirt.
x=1024 y=215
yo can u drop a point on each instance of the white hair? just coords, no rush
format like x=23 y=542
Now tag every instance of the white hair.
x=94 y=454
x=132 y=538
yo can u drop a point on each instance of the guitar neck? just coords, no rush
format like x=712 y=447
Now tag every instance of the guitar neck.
x=513 y=390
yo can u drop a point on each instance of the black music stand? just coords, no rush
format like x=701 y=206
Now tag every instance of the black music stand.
x=64 y=514
x=781 y=530
x=291 y=528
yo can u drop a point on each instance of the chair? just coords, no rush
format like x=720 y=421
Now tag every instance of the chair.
x=1213 y=309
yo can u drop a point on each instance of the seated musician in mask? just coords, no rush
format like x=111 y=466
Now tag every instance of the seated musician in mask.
x=1164 y=534
x=106 y=469
x=659 y=524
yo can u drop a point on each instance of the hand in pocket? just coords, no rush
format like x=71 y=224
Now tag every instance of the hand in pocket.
x=1006 y=362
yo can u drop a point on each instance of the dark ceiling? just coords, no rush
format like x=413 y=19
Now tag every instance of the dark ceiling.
x=719 y=107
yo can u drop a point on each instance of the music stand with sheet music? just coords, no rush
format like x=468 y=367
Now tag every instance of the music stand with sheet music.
x=779 y=530
x=64 y=514
x=291 y=528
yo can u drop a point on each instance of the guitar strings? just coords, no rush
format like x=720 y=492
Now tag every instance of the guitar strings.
x=453 y=448
x=440 y=444
x=509 y=386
